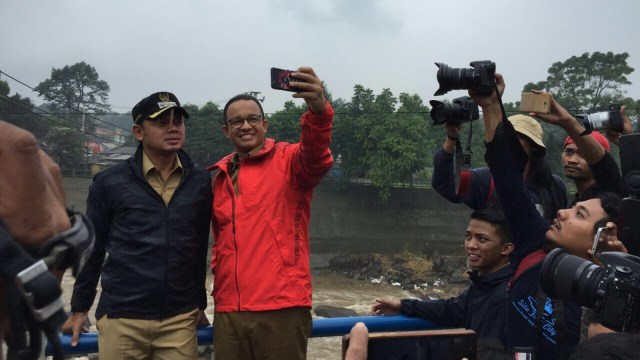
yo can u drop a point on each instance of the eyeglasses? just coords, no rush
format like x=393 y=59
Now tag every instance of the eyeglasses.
x=237 y=122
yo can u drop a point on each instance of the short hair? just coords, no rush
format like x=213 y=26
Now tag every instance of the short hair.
x=238 y=98
x=496 y=218
x=611 y=204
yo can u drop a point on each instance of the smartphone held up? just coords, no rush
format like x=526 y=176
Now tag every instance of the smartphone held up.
x=539 y=103
x=281 y=80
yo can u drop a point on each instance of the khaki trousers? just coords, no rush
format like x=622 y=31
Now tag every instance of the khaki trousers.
x=264 y=335
x=167 y=339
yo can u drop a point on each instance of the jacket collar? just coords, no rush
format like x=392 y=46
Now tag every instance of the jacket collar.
x=223 y=164
x=500 y=275
x=136 y=161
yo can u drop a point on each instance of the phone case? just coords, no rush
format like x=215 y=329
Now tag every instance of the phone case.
x=537 y=103
x=280 y=79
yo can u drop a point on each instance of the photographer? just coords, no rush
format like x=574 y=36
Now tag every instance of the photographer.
x=32 y=207
x=586 y=158
x=536 y=323
x=548 y=191
x=483 y=306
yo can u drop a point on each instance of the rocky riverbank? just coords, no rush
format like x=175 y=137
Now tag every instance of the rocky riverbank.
x=429 y=277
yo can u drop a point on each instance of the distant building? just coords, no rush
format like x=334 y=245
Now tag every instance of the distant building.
x=107 y=158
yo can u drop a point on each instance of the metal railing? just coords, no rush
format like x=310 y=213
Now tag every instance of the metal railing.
x=88 y=343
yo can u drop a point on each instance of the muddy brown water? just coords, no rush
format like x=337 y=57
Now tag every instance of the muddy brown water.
x=328 y=289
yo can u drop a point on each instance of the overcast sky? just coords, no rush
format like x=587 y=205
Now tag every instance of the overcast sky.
x=207 y=50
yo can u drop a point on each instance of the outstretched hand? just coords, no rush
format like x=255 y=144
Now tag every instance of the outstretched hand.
x=608 y=242
x=557 y=115
x=385 y=307
x=311 y=89
x=487 y=100
x=614 y=135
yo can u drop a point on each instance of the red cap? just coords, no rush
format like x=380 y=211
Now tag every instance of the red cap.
x=596 y=135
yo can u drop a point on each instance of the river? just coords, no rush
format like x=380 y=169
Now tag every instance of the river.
x=328 y=289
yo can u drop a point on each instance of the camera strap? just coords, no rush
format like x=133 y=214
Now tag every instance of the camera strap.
x=463 y=163
x=562 y=349
x=33 y=293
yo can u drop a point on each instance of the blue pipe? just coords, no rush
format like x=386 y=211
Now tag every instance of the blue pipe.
x=88 y=343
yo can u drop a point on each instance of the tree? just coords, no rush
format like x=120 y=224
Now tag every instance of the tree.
x=351 y=127
x=74 y=89
x=374 y=141
x=206 y=143
x=19 y=111
x=284 y=125
x=67 y=147
x=588 y=82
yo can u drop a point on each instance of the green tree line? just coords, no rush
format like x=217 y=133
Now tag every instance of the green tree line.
x=381 y=139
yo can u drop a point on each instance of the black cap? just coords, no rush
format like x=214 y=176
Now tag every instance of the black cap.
x=154 y=105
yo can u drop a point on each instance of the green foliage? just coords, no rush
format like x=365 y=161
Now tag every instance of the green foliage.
x=66 y=146
x=206 y=143
x=18 y=110
x=284 y=125
x=588 y=82
x=374 y=141
x=73 y=89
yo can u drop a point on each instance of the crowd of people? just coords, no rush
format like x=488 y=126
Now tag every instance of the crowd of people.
x=152 y=216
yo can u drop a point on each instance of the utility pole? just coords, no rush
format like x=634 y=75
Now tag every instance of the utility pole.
x=255 y=95
x=86 y=143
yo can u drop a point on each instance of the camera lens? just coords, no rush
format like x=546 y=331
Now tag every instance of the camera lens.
x=599 y=120
x=453 y=78
x=461 y=110
x=570 y=278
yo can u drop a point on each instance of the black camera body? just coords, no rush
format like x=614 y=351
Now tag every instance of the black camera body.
x=628 y=227
x=610 y=119
x=460 y=110
x=479 y=77
x=612 y=290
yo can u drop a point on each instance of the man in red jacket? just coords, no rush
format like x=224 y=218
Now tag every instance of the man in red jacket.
x=261 y=209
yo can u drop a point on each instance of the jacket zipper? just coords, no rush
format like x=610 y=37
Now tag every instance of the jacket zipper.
x=233 y=225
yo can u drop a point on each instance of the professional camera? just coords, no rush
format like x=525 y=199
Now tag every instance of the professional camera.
x=613 y=291
x=460 y=110
x=480 y=77
x=611 y=119
x=629 y=233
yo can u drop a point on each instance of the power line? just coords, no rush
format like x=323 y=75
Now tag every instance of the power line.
x=78 y=111
x=30 y=110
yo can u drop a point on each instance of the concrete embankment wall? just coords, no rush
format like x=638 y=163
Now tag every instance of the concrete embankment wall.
x=354 y=221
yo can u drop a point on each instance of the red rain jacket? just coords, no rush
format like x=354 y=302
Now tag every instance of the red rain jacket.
x=260 y=256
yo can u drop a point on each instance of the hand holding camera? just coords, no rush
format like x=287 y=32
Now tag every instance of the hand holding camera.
x=625 y=128
x=459 y=111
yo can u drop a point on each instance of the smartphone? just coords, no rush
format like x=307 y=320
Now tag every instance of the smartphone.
x=596 y=240
x=537 y=103
x=281 y=80
x=423 y=344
